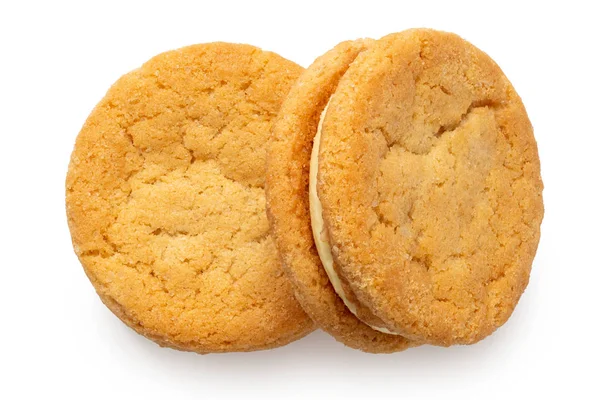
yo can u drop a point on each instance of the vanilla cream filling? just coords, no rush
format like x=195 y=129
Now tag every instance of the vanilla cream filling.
x=318 y=226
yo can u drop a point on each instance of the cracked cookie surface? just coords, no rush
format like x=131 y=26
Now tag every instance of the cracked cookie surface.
x=430 y=183
x=166 y=203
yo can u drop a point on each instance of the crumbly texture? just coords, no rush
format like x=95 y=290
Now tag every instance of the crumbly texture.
x=288 y=165
x=430 y=182
x=166 y=204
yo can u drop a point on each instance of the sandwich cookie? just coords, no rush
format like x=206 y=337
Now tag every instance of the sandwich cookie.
x=166 y=202
x=321 y=292
x=427 y=189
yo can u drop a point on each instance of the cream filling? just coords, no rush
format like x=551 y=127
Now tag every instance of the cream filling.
x=318 y=226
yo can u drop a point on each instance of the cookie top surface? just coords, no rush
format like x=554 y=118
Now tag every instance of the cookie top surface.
x=288 y=165
x=166 y=204
x=430 y=183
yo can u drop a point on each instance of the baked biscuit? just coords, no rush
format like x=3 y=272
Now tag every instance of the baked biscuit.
x=166 y=204
x=429 y=180
x=288 y=165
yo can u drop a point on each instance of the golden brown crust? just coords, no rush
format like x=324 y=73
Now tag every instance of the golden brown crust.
x=430 y=183
x=166 y=205
x=288 y=206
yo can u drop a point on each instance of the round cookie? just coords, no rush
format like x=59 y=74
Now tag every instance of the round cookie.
x=288 y=202
x=429 y=179
x=166 y=205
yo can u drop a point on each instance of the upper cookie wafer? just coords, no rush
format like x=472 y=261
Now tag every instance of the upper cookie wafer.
x=430 y=183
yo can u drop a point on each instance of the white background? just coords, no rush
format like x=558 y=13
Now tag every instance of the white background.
x=58 y=340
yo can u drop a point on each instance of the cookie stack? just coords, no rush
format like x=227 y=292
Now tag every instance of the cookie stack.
x=221 y=198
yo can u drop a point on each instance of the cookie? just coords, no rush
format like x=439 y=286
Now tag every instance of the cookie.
x=288 y=167
x=429 y=180
x=166 y=203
